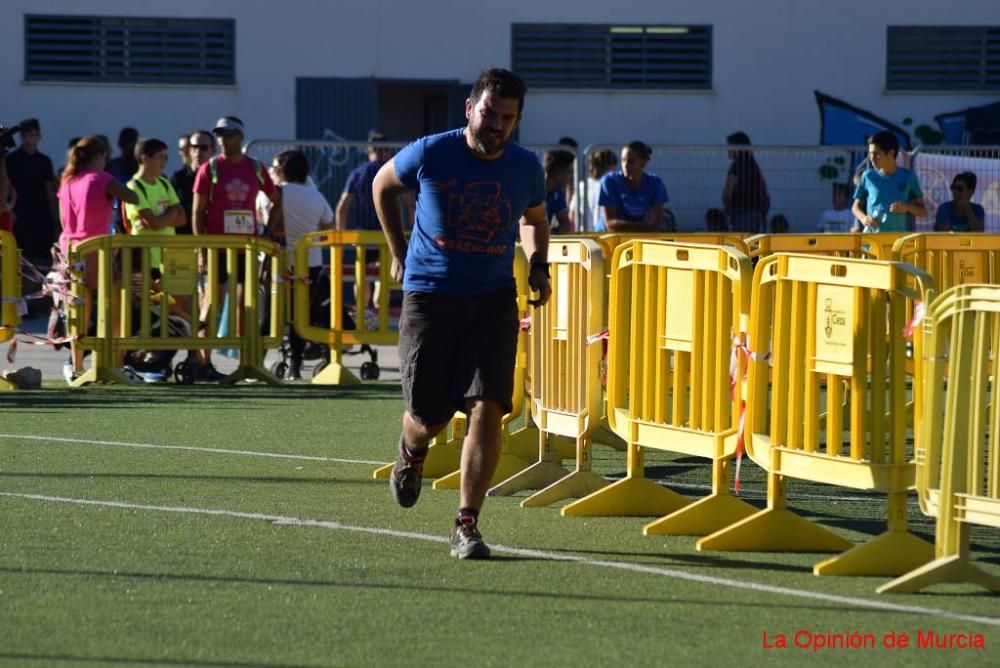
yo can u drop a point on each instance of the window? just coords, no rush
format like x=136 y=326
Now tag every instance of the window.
x=104 y=49
x=612 y=56
x=952 y=58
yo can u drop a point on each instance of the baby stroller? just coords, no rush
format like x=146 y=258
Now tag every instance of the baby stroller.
x=319 y=312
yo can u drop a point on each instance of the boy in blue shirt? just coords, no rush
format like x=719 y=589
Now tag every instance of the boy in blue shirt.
x=887 y=192
x=961 y=214
x=558 y=175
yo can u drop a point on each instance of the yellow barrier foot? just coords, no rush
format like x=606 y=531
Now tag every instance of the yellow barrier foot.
x=536 y=476
x=955 y=568
x=629 y=497
x=704 y=516
x=574 y=486
x=335 y=374
x=774 y=530
x=523 y=443
x=98 y=375
x=507 y=466
x=892 y=553
x=604 y=436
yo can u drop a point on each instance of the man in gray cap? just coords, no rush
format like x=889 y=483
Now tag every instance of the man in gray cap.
x=225 y=191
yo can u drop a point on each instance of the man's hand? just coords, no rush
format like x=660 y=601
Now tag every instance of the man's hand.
x=538 y=281
x=202 y=263
x=899 y=207
x=397 y=269
x=871 y=223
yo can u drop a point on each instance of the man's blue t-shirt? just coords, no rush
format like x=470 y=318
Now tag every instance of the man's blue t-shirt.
x=948 y=219
x=359 y=184
x=555 y=202
x=631 y=205
x=468 y=210
x=879 y=192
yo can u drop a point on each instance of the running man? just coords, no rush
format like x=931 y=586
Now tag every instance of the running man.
x=458 y=329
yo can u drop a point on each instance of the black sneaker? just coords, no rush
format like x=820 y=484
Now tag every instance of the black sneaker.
x=407 y=474
x=207 y=373
x=466 y=541
x=294 y=371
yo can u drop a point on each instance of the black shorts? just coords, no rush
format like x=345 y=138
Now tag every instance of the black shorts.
x=453 y=349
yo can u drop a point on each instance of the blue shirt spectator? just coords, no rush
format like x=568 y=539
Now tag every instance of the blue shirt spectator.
x=631 y=204
x=555 y=202
x=880 y=190
x=467 y=213
x=949 y=219
x=358 y=195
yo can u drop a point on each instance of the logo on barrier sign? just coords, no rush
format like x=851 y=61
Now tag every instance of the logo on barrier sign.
x=833 y=318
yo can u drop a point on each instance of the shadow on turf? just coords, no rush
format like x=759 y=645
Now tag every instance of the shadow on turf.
x=702 y=560
x=601 y=598
x=133 y=661
x=50 y=399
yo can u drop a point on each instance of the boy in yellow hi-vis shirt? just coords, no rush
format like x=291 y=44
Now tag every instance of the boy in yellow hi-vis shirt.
x=159 y=210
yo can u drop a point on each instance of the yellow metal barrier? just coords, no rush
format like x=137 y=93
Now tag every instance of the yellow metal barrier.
x=958 y=447
x=879 y=246
x=610 y=241
x=830 y=323
x=131 y=289
x=444 y=456
x=566 y=392
x=674 y=309
x=338 y=242
x=836 y=245
x=10 y=292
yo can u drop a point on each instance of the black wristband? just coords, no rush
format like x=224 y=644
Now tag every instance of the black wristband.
x=543 y=265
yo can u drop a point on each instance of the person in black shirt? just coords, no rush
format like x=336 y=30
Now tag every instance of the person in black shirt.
x=200 y=150
x=35 y=212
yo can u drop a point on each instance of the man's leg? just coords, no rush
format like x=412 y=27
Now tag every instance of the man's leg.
x=480 y=452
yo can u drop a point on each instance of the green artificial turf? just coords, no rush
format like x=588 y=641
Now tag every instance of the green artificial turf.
x=98 y=585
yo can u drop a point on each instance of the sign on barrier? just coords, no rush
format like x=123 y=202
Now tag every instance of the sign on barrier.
x=674 y=309
x=958 y=446
x=830 y=323
x=566 y=393
x=129 y=297
x=10 y=292
x=345 y=277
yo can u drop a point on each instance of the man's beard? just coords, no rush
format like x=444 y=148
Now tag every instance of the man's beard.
x=489 y=142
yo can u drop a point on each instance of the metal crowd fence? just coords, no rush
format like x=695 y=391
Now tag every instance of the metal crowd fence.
x=148 y=295
x=936 y=167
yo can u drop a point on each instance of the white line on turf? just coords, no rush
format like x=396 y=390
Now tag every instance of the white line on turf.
x=532 y=554
x=189 y=448
x=366 y=462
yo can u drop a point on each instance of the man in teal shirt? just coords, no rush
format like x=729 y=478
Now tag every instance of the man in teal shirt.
x=887 y=192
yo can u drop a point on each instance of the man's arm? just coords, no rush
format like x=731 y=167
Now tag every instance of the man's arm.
x=860 y=214
x=535 y=244
x=727 y=193
x=343 y=209
x=387 y=190
x=4 y=185
x=916 y=207
x=173 y=216
x=616 y=224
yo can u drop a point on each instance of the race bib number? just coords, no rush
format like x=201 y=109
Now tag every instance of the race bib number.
x=238 y=221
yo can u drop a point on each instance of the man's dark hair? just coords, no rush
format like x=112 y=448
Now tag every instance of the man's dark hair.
x=293 y=165
x=968 y=178
x=887 y=141
x=842 y=189
x=568 y=141
x=127 y=137
x=738 y=139
x=29 y=125
x=501 y=82
x=148 y=148
x=73 y=141
x=642 y=149
x=558 y=160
